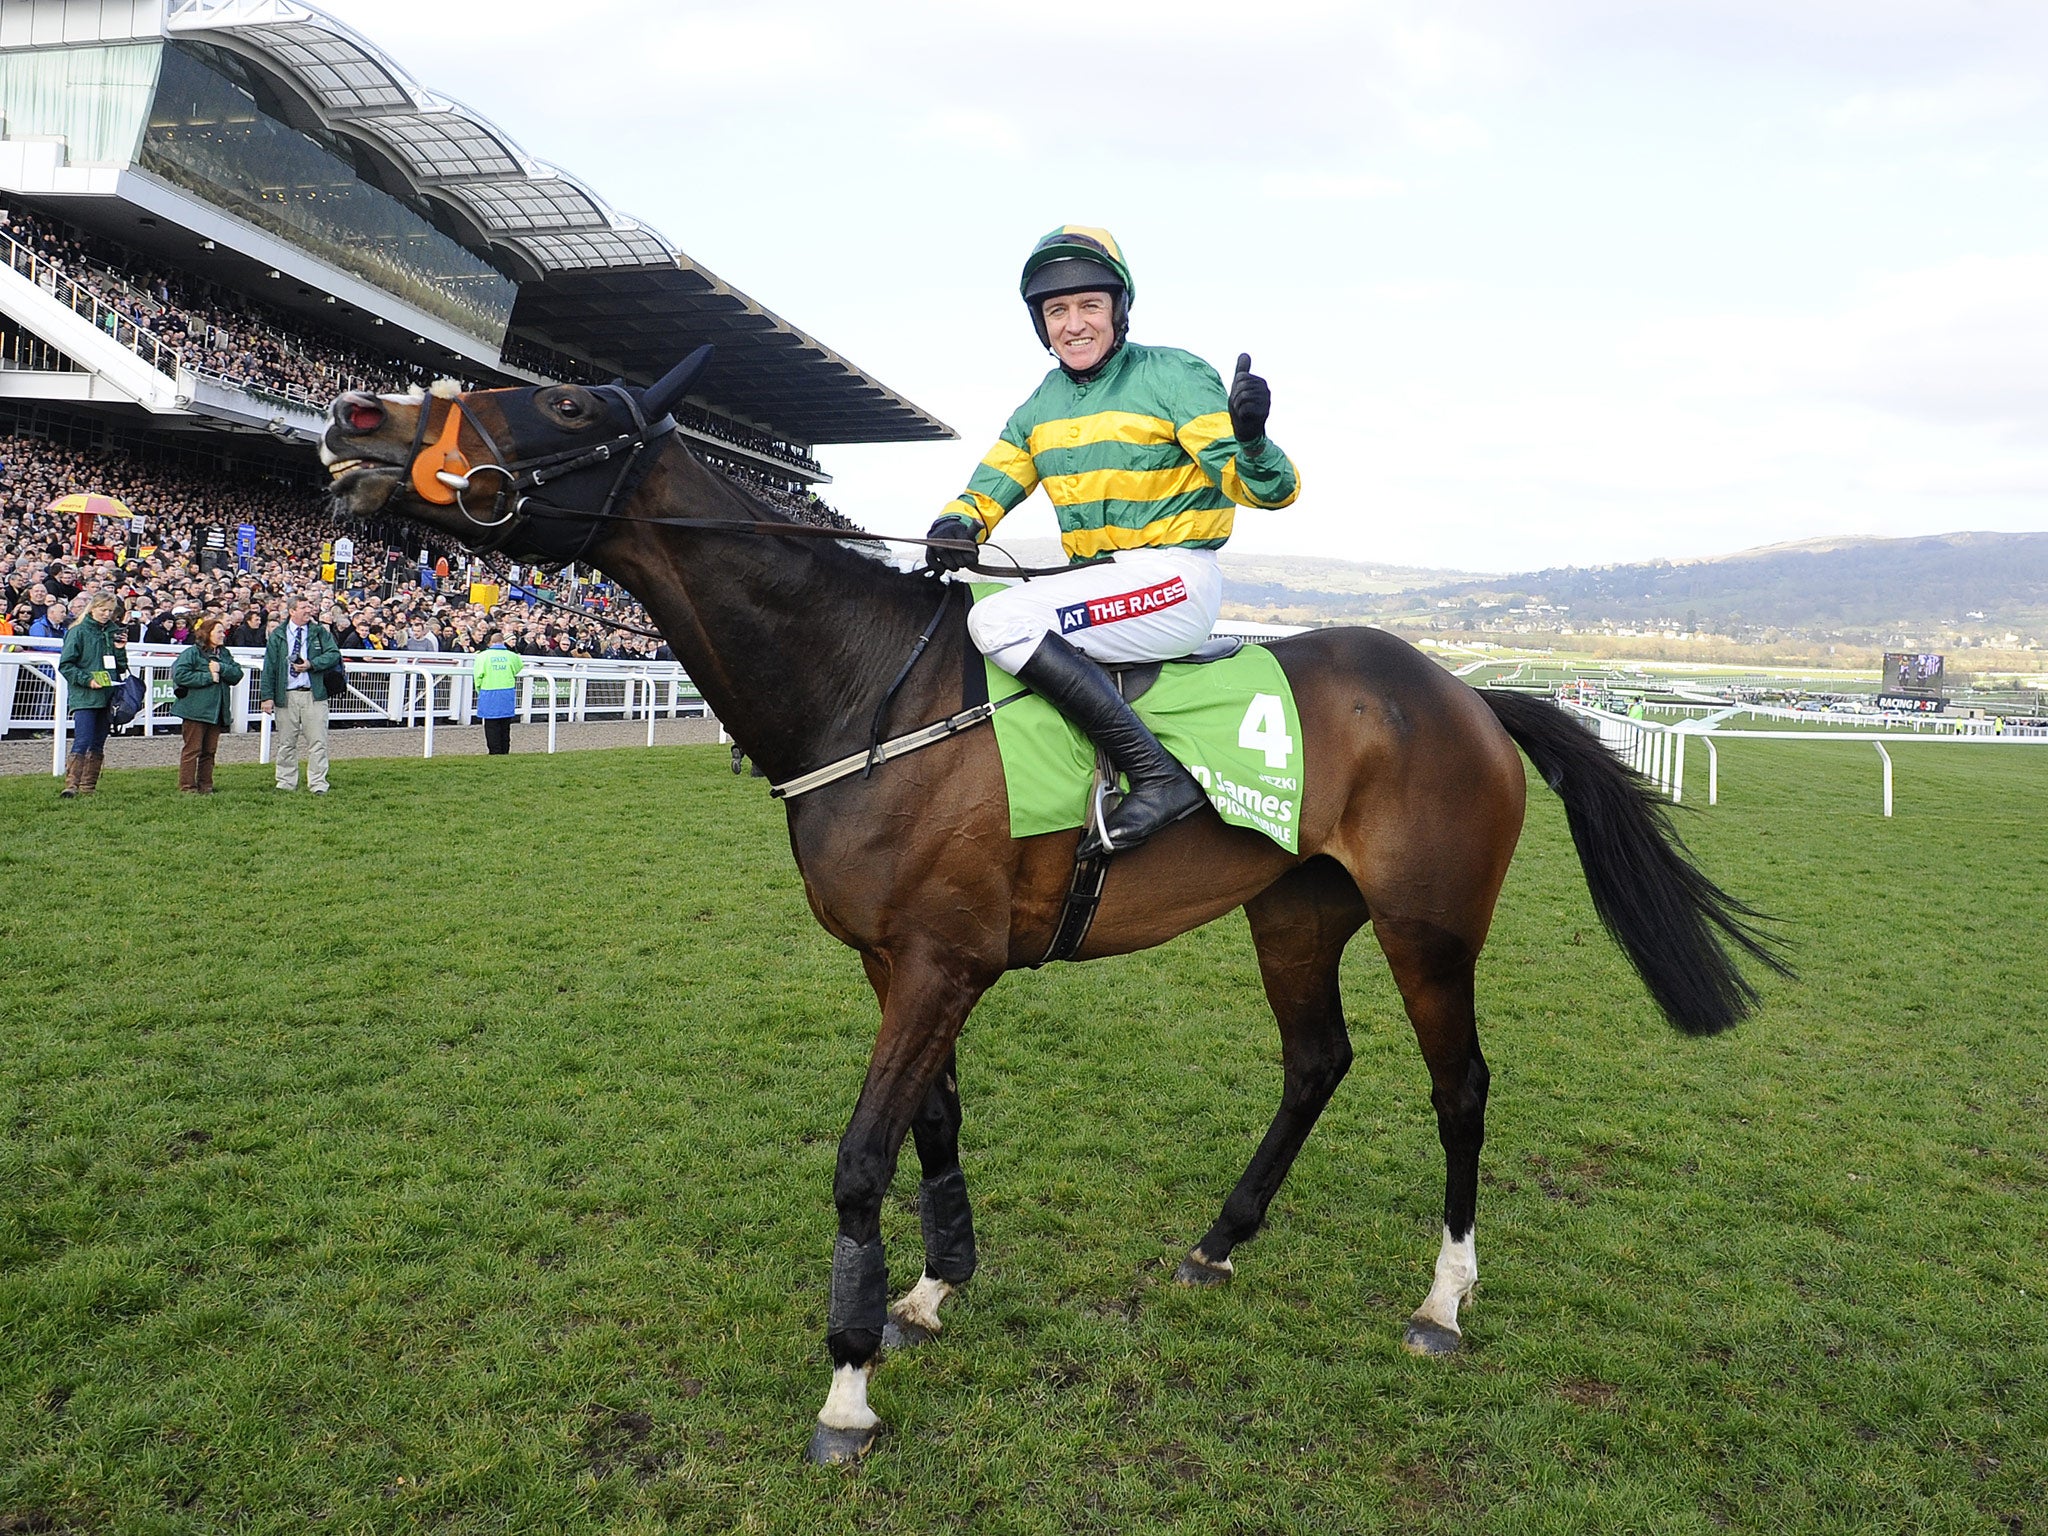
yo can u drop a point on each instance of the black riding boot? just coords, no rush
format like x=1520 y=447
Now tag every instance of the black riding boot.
x=1162 y=791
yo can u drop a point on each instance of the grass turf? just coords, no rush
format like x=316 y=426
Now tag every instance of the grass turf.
x=456 y=1153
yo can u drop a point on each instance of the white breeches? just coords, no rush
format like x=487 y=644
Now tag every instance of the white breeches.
x=1146 y=605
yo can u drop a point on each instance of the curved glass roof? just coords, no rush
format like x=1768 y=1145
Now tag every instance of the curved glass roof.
x=550 y=224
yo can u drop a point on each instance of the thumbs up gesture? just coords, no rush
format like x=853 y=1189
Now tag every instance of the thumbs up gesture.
x=1251 y=402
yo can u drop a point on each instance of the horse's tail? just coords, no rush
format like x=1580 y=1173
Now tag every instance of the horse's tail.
x=1650 y=896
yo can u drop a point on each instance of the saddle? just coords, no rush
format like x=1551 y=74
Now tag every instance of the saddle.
x=1084 y=892
x=1133 y=678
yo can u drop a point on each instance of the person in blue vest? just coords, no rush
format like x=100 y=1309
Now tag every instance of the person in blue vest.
x=496 y=670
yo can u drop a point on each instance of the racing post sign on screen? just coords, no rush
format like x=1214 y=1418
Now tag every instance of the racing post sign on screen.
x=1912 y=681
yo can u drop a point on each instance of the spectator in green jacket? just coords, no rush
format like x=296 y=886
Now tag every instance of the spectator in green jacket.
x=300 y=653
x=204 y=676
x=93 y=662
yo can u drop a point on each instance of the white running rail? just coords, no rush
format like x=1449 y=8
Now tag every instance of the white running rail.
x=1657 y=750
x=401 y=688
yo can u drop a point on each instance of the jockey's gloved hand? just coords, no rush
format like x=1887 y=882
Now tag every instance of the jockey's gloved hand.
x=956 y=528
x=1251 y=402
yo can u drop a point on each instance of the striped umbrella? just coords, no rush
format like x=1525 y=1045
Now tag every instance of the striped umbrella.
x=79 y=502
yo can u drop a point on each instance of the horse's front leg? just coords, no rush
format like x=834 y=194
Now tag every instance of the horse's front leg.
x=926 y=1002
x=942 y=1211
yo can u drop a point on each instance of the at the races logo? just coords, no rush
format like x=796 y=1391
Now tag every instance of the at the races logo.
x=1124 y=605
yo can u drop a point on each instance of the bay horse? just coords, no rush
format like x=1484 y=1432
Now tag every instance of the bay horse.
x=1412 y=808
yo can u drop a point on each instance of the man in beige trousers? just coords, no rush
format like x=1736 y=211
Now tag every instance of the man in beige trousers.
x=296 y=661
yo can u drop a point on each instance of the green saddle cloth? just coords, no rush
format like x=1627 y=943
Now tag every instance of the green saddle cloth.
x=1232 y=722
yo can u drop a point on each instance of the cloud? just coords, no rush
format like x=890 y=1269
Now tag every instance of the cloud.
x=1961 y=103
x=1327 y=187
x=1961 y=342
x=964 y=129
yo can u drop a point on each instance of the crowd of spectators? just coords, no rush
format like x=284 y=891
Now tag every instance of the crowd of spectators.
x=250 y=345
x=226 y=335
x=177 y=562
x=802 y=504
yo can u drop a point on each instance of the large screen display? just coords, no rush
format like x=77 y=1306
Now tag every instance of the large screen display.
x=1912 y=672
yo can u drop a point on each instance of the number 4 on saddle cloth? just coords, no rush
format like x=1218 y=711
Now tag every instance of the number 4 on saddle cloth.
x=1231 y=721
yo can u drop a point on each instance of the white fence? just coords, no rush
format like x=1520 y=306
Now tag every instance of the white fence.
x=1657 y=751
x=403 y=688
x=1711 y=713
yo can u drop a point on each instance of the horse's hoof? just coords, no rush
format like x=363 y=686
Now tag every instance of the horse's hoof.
x=902 y=1333
x=1202 y=1273
x=1426 y=1338
x=840 y=1447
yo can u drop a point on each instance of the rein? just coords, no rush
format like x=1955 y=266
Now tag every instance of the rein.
x=595 y=618
x=443 y=475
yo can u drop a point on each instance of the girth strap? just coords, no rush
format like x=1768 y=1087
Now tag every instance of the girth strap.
x=925 y=736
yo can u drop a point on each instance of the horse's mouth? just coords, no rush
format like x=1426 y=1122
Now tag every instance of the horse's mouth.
x=349 y=479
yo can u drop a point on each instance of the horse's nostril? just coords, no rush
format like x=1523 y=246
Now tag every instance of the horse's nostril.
x=362 y=416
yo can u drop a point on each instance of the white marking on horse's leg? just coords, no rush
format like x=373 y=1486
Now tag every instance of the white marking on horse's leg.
x=1457 y=1271
x=846 y=1406
x=920 y=1304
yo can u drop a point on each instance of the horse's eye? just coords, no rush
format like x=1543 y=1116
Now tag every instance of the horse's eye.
x=568 y=407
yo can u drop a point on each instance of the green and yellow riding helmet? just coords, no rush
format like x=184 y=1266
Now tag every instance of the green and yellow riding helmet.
x=1076 y=259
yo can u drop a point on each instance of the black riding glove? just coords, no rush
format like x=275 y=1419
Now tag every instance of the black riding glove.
x=1251 y=402
x=952 y=527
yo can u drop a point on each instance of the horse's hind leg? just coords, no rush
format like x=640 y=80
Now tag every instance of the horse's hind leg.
x=1300 y=925
x=1433 y=968
x=944 y=1213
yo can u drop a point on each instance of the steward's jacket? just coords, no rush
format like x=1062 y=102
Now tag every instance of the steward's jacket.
x=497 y=682
x=322 y=656
x=1140 y=456
x=87 y=645
x=206 y=701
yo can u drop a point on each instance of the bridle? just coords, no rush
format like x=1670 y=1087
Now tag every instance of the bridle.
x=442 y=474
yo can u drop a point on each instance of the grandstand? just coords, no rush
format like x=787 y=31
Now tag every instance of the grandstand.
x=218 y=214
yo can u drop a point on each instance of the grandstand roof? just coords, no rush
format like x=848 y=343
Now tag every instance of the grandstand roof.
x=594 y=282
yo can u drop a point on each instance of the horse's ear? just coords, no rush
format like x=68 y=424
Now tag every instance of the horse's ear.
x=664 y=392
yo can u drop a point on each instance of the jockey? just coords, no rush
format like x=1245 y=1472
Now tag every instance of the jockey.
x=1144 y=458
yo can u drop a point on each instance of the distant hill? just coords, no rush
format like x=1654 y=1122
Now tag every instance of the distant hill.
x=1983 y=583
x=1250 y=579
x=1958 y=581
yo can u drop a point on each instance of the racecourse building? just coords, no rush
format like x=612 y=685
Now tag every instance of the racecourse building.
x=219 y=213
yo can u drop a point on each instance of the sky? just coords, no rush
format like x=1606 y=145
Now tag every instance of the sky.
x=1571 y=282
